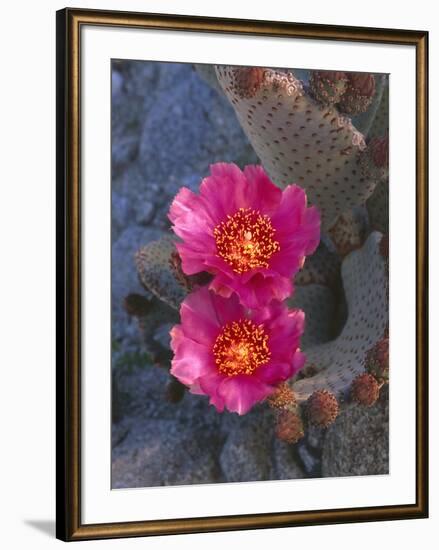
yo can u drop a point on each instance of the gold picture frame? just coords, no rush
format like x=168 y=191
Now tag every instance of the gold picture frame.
x=69 y=23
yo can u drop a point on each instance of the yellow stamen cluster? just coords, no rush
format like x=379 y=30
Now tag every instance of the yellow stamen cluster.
x=246 y=240
x=241 y=347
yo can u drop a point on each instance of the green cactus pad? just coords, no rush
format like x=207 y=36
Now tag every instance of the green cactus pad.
x=154 y=267
x=301 y=141
x=334 y=365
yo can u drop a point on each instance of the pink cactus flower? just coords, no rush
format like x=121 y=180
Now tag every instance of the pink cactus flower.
x=245 y=231
x=235 y=356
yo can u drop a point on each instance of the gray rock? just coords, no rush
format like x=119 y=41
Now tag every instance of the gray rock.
x=116 y=84
x=286 y=465
x=142 y=388
x=358 y=442
x=164 y=452
x=315 y=437
x=190 y=127
x=121 y=213
x=246 y=455
x=144 y=212
x=162 y=335
x=310 y=462
x=134 y=85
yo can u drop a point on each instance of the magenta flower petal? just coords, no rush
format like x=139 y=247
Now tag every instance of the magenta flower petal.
x=246 y=232
x=262 y=193
x=199 y=318
x=273 y=373
x=234 y=355
x=240 y=393
x=191 y=361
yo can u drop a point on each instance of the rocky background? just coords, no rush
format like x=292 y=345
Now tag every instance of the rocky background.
x=168 y=126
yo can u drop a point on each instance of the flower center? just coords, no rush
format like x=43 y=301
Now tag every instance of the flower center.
x=241 y=348
x=246 y=240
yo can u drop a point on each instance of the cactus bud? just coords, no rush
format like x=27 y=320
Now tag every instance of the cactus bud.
x=374 y=161
x=247 y=80
x=322 y=408
x=283 y=397
x=359 y=93
x=136 y=305
x=365 y=389
x=328 y=86
x=289 y=427
x=377 y=359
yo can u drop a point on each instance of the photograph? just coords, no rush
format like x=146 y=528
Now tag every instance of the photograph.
x=216 y=223
x=249 y=273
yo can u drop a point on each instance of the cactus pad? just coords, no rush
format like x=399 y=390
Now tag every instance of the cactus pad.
x=300 y=140
x=334 y=365
x=156 y=269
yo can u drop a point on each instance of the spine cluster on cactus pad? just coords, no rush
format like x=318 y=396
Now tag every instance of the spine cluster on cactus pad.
x=353 y=92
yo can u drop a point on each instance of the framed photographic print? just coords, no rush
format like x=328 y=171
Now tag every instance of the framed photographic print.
x=242 y=274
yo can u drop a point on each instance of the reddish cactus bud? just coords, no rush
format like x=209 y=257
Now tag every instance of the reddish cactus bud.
x=289 y=427
x=283 y=397
x=136 y=305
x=374 y=161
x=322 y=408
x=377 y=359
x=247 y=80
x=365 y=389
x=380 y=151
x=359 y=93
x=328 y=86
